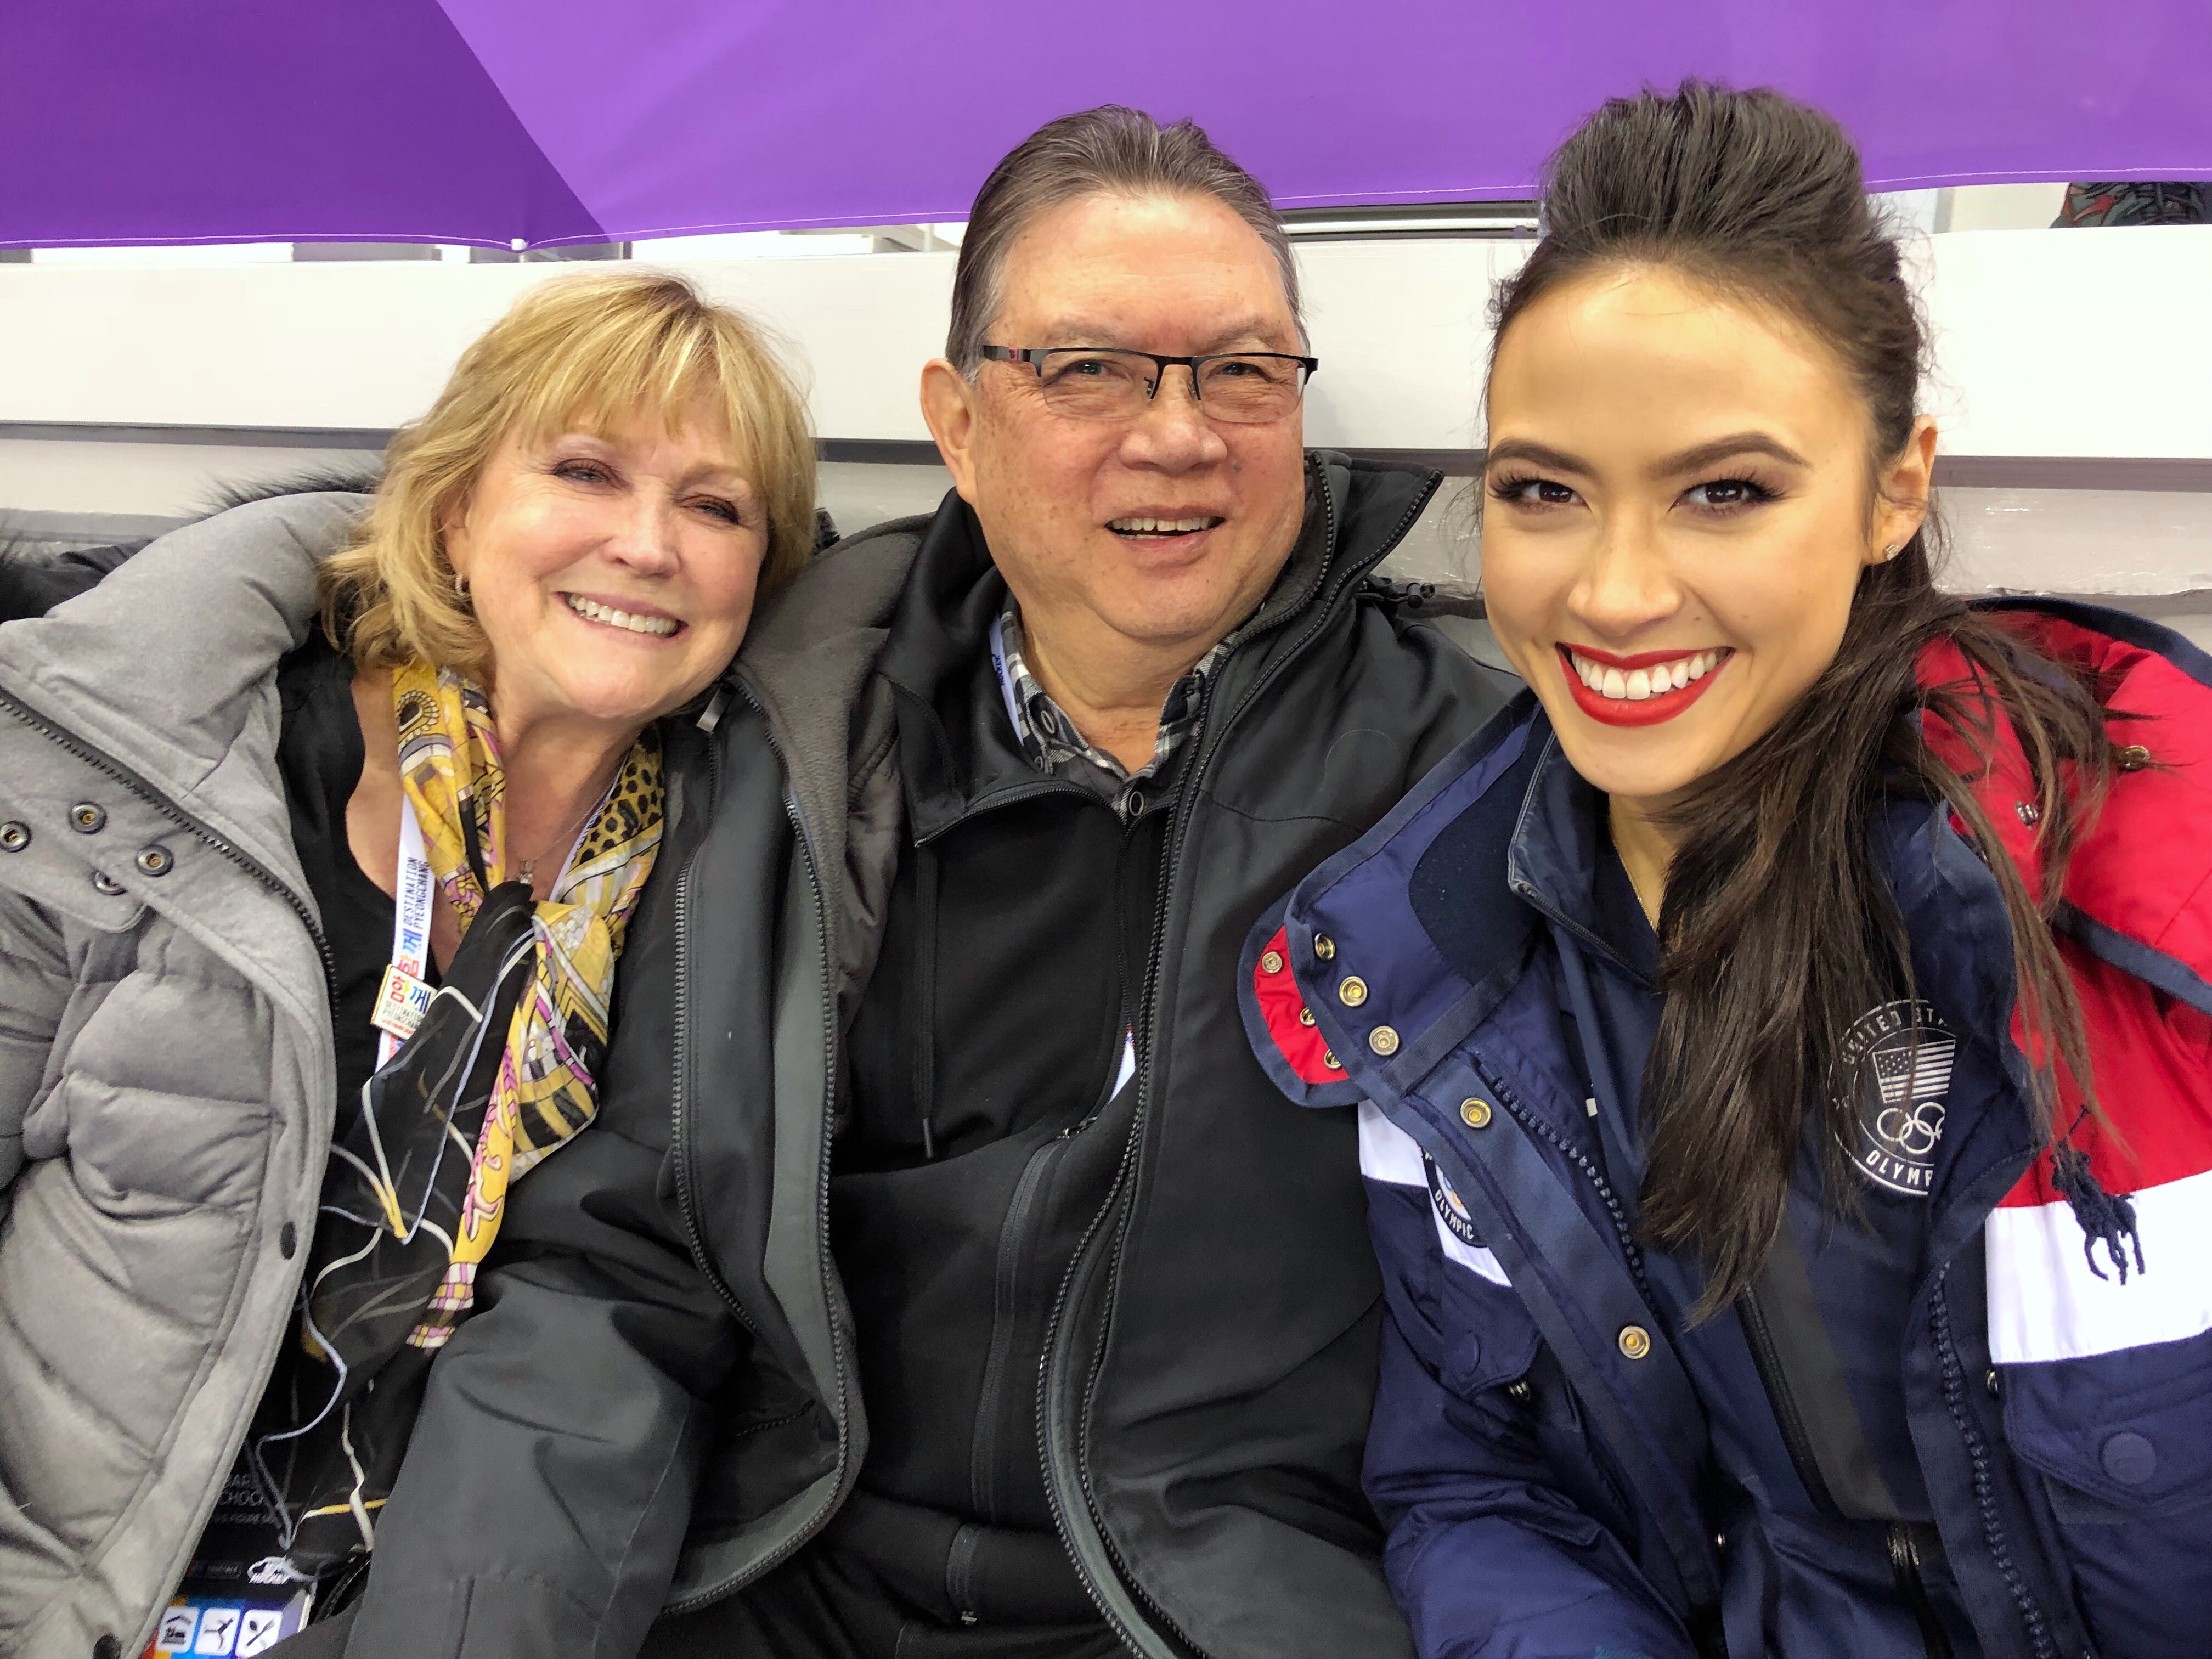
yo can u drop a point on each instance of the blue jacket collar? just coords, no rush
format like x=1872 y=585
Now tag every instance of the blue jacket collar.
x=1528 y=842
x=1552 y=861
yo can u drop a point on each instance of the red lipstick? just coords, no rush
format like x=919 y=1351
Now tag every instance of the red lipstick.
x=1654 y=710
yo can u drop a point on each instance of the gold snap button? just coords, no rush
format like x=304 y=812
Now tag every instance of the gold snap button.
x=88 y=819
x=1383 y=1040
x=1634 y=1342
x=2133 y=757
x=1272 y=962
x=156 y=861
x=1305 y=1017
x=1475 y=1114
x=104 y=882
x=14 y=837
x=1352 y=992
x=1328 y=1058
x=1324 y=947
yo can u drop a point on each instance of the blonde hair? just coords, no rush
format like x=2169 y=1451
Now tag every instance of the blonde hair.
x=599 y=351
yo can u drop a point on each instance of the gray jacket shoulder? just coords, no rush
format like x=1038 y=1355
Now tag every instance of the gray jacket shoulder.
x=187 y=625
x=167 y=664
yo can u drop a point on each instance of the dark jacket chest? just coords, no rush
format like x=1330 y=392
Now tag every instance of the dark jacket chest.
x=1015 y=947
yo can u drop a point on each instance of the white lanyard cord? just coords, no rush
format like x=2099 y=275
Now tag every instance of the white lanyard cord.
x=405 y=993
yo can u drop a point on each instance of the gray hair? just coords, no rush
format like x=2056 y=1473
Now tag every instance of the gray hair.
x=1109 y=150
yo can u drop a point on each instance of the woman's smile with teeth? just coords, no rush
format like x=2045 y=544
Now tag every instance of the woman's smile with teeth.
x=1636 y=684
x=1145 y=527
x=659 y=628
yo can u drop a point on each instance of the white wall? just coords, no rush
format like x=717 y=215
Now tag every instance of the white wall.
x=2003 y=207
x=2094 y=344
x=2050 y=343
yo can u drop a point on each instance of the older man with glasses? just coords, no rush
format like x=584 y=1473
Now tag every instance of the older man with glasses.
x=965 y=1288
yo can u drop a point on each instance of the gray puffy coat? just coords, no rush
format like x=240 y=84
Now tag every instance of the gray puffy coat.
x=166 y=1062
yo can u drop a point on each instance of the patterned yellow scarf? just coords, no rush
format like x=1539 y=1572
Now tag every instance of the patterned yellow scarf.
x=546 y=1090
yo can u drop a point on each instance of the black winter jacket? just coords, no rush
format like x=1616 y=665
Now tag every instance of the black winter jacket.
x=656 y=1402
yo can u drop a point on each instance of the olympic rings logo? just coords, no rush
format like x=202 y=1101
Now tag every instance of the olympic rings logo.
x=1912 y=1132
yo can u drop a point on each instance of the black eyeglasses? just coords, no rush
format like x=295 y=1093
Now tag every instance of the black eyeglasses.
x=1105 y=383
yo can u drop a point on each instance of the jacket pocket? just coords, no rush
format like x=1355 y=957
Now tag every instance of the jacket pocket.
x=2130 y=1431
x=2123 y=1445
x=1489 y=1338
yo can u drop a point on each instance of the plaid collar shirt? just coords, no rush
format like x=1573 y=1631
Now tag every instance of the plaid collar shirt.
x=1054 y=745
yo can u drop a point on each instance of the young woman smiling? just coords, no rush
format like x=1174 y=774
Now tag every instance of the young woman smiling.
x=308 y=937
x=1782 y=1041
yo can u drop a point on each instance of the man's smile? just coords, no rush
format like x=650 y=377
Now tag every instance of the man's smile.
x=1162 y=527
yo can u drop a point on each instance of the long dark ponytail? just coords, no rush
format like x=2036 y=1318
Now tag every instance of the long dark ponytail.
x=1778 y=933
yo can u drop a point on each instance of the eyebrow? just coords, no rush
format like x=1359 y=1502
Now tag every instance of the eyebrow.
x=1081 y=331
x=1543 y=455
x=1720 y=449
x=730 y=469
x=1692 y=460
x=717 y=476
x=730 y=472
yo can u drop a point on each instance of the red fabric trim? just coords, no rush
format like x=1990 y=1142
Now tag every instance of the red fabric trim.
x=1279 y=1003
x=2143 y=868
x=2151 y=1060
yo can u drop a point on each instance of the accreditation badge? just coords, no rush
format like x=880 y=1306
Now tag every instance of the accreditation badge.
x=401 y=1002
x=239 y=1598
x=226 y=1629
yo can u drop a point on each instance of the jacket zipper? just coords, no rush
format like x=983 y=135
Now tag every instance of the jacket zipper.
x=102 y=761
x=1904 y=1567
x=1954 y=1398
x=1178 y=830
x=1013 y=1241
x=1904 y=1548
x=1581 y=1161
x=686 y=1201
x=680 y=1042
x=1766 y=1358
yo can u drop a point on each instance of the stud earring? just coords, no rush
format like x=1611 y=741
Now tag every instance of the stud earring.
x=1889 y=552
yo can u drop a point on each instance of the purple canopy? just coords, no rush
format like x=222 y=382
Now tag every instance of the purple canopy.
x=537 y=122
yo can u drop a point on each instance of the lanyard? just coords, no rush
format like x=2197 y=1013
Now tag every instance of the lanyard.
x=1006 y=679
x=404 y=995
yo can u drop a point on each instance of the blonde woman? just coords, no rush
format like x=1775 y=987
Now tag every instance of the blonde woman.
x=253 y=869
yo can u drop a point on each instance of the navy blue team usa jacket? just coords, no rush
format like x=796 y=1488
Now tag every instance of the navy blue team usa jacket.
x=1966 y=1410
